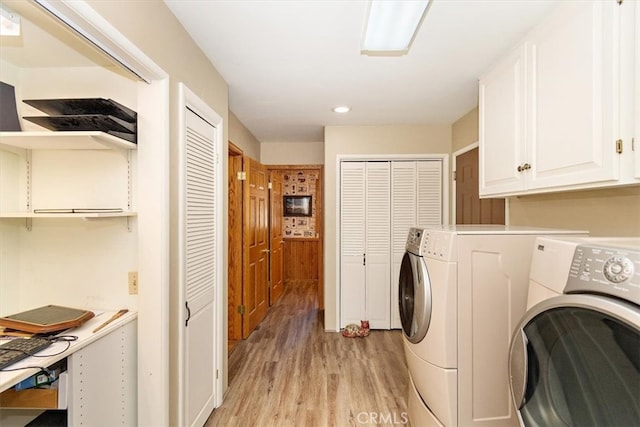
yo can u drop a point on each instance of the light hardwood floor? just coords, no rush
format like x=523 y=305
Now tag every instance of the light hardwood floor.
x=289 y=372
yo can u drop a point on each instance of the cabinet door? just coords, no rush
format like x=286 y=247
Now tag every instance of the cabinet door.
x=378 y=246
x=573 y=63
x=352 y=242
x=502 y=126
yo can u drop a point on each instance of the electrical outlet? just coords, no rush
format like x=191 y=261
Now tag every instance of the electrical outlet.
x=133 y=283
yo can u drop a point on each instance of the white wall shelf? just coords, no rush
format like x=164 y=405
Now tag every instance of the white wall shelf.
x=67 y=140
x=88 y=215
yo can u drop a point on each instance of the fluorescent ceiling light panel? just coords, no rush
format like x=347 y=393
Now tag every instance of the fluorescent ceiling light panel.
x=9 y=23
x=392 y=25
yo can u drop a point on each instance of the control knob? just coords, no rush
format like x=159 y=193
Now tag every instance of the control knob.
x=618 y=268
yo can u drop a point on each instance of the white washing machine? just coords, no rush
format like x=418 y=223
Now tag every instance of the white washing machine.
x=461 y=291
x=575 y=355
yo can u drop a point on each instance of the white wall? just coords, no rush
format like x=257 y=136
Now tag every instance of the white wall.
x=292 y=153
x=365 y=140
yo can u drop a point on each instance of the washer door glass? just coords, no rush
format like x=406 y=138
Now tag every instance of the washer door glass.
x=583 y=369
x=414 y=297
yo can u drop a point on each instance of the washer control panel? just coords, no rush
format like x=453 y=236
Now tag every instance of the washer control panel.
x=430 y=243
x=606 y=270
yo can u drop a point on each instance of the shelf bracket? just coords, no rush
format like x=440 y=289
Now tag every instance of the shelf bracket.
x=29 y=179
x=129 y=181
x=28 y=223
x=129 y=225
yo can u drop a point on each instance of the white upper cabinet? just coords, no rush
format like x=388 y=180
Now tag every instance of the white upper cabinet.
x=555 y=113
x=502 y=124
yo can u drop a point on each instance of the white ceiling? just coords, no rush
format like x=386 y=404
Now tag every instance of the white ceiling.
x=288 y=63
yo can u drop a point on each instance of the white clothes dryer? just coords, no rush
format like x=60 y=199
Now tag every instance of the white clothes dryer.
x=575 y=355
x=461 y=291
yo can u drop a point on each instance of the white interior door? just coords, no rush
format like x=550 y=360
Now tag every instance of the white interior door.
x=378 y=245
x=199 y=270
x=352 y=242
x=416 y=200
x=429 y=208
x=404 y=198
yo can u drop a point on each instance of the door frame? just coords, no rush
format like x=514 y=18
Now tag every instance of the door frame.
x=237 y=241
x=454 y=159
x=444 y=158
x=319 y=219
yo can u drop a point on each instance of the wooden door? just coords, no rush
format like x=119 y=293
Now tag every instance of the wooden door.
x=470 y=209
x=276 y=264
x=234 y=316
x=256 y=246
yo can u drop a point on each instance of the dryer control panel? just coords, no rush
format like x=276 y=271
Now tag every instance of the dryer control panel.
x=606 y=270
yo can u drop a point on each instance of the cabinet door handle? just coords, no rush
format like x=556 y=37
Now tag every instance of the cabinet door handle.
x=524 y=167
x=186 y=322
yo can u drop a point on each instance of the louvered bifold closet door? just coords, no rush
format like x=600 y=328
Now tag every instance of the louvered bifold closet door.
x=429 y=192
x=199 y=266
x=416 y=200
x=404 y=215
x=352 y=242
x=378 y=244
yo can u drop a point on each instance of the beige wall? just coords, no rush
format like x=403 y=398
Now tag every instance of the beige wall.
x=366 y=141
x=292 y=153
x=465 y=130
x=164 y=40
x=242 y=138
x=605 y=212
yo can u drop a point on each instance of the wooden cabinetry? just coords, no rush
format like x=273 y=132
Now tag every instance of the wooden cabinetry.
x=553 y=113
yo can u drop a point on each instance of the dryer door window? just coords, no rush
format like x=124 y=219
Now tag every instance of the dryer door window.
x=414 y=297
x=582 y=369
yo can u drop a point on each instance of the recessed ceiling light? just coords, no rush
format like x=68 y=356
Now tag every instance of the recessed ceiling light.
x=9 y=23
x=341 y=109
